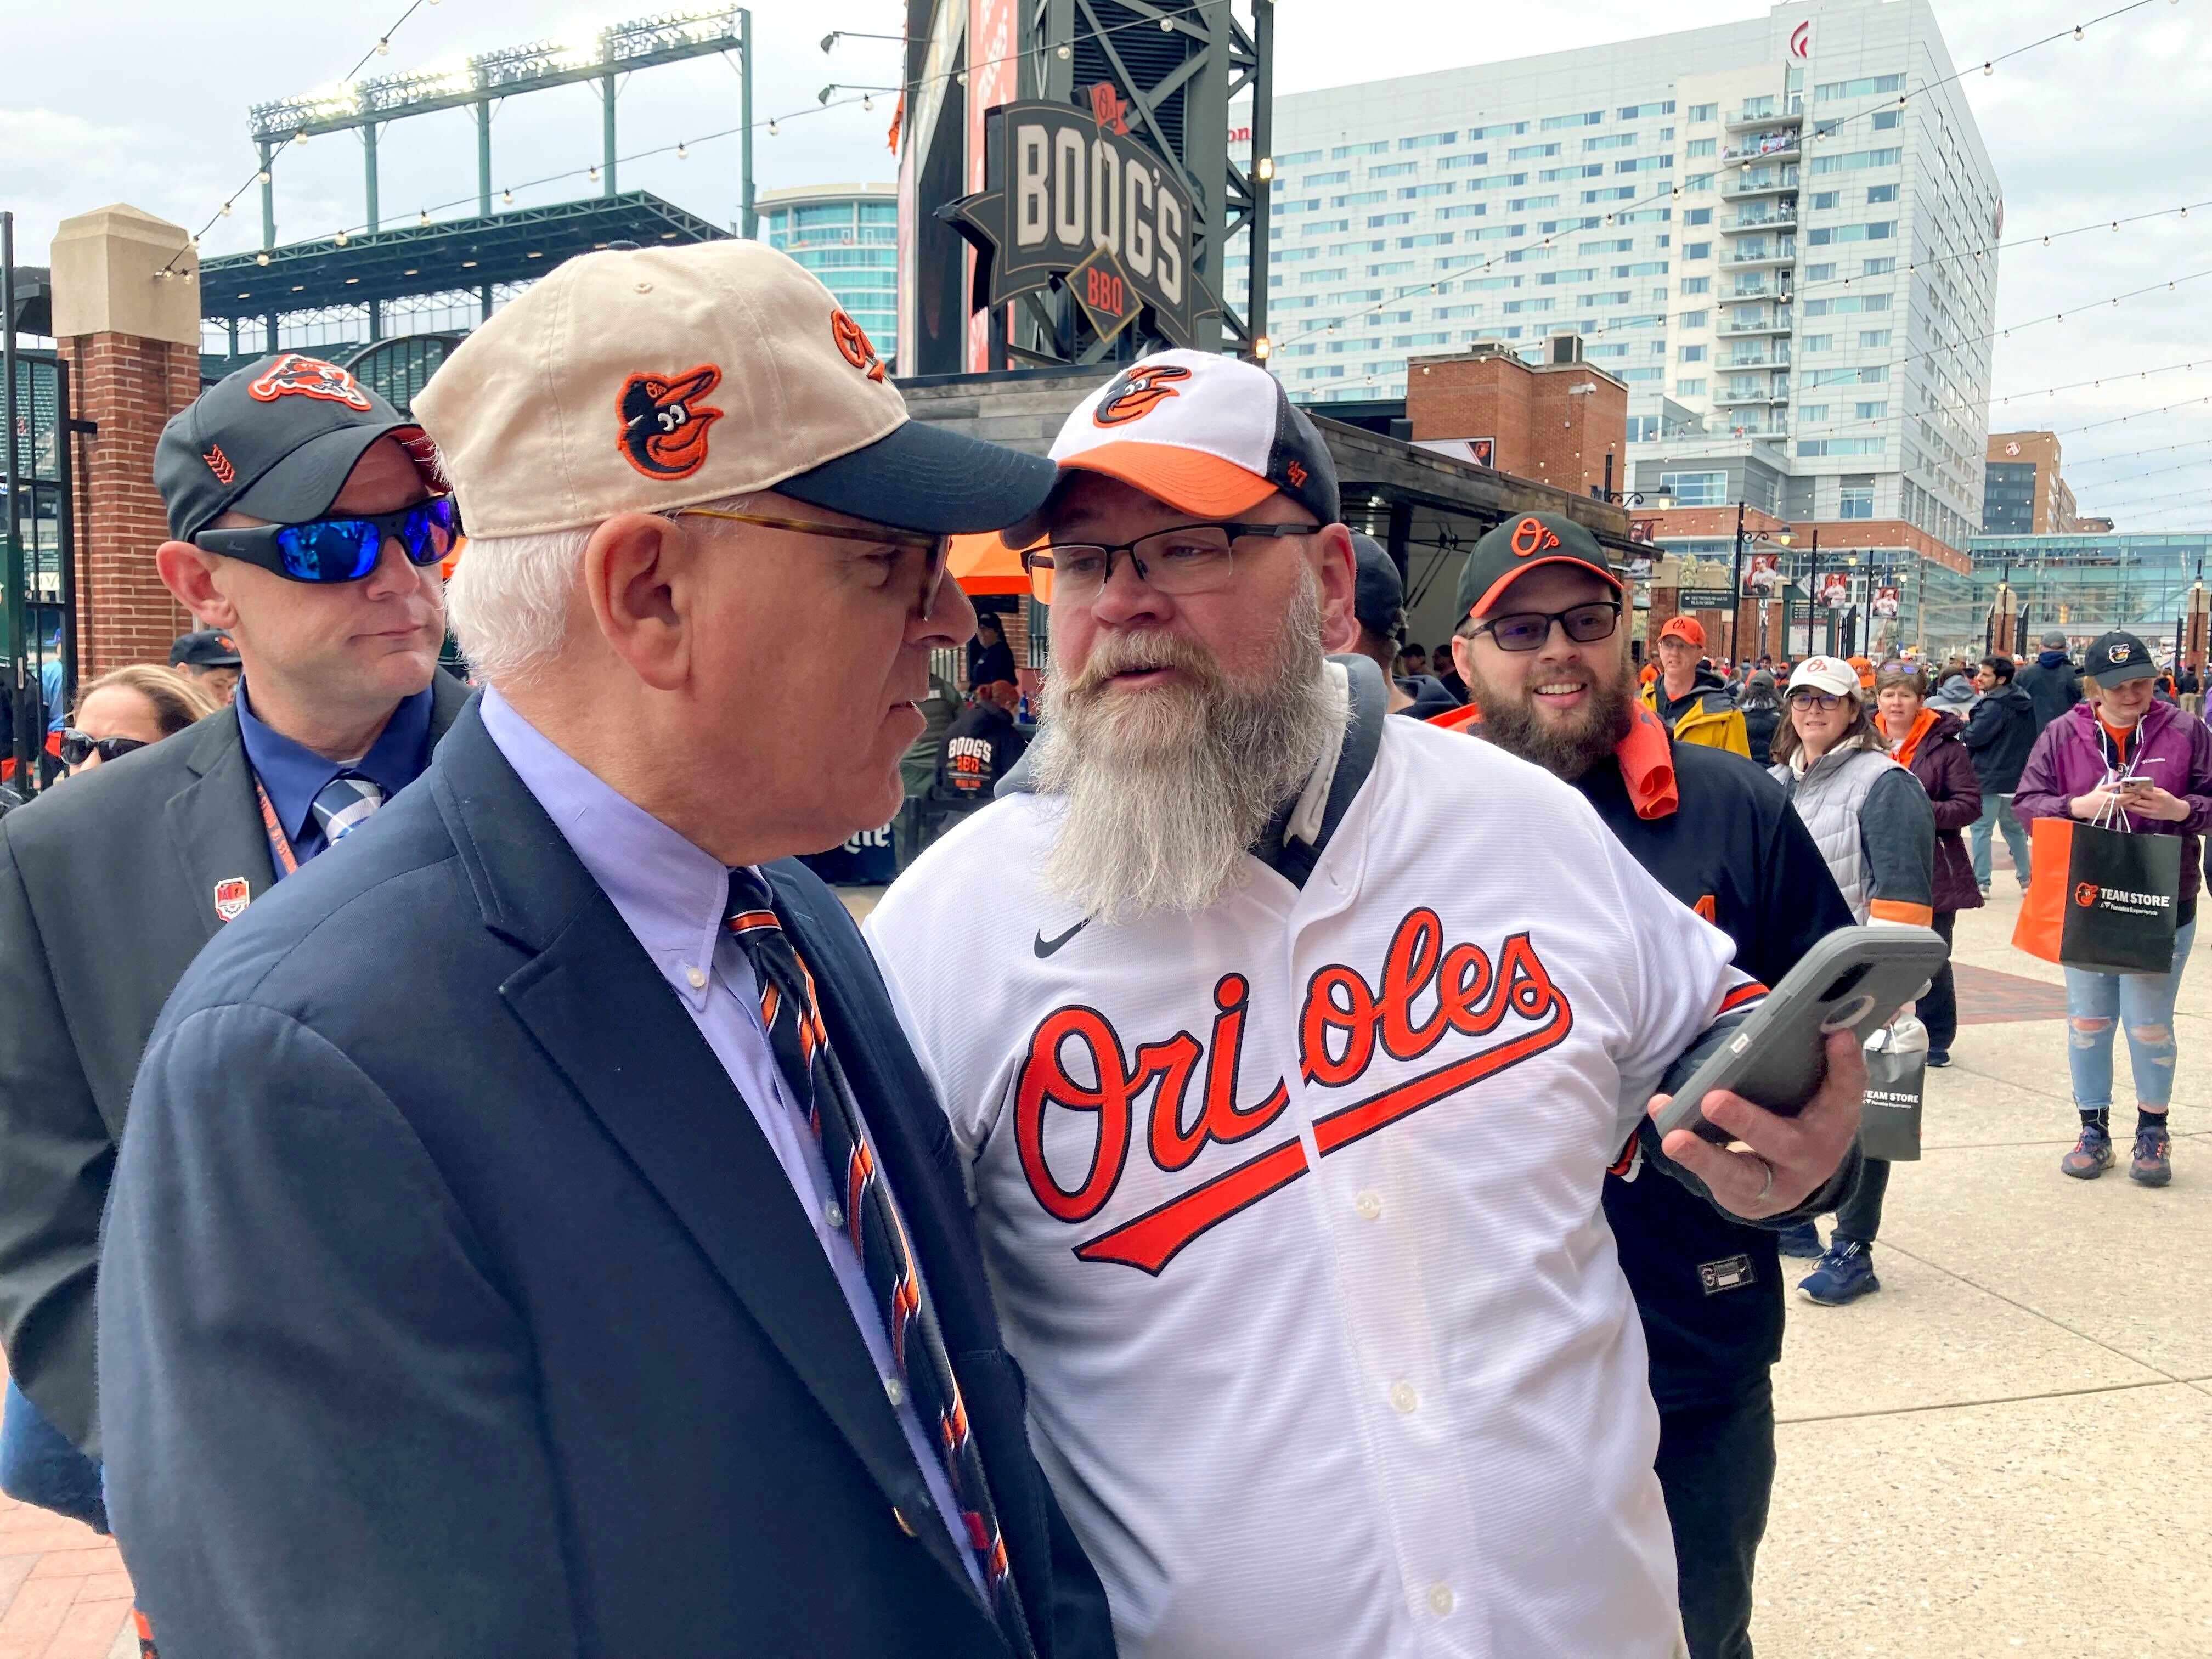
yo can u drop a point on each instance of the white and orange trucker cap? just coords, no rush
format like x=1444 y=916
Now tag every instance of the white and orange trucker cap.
x=1208 y=434
x=651 y=378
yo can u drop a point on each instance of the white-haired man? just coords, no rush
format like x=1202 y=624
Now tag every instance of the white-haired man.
x=531 y=1224
x=1287 y=1046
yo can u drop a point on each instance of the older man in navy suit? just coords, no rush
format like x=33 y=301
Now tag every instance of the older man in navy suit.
x=532 y=1235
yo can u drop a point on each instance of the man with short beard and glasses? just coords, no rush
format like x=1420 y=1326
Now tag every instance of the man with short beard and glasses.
x=1547 y=667
x=1286 y=1046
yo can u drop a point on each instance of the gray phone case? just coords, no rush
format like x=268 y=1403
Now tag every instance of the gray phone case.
x=1855 y=977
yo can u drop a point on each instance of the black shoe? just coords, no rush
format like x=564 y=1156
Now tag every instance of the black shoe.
x=1939 y=1057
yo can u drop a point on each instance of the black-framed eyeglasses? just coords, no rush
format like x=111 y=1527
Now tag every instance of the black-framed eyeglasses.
x=1191 y=558
x=1804 y=696
x=1526 y=630
x=343 y=547
x=78 y=747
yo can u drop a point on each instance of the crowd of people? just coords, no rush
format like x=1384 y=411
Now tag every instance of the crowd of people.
x=461 y=1174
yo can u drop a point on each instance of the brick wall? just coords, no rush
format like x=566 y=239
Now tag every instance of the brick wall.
x=129 y=387
x=1545 y=430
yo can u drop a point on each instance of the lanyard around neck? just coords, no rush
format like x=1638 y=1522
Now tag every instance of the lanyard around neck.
x=280 y=844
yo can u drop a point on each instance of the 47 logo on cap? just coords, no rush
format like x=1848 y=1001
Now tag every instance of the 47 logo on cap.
x=663 y=429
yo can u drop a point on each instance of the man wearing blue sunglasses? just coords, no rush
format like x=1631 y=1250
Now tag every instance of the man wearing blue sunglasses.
x=308 y=528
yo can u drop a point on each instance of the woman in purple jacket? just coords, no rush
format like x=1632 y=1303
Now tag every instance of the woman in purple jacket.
x=2123 y=731
x=1925 y=741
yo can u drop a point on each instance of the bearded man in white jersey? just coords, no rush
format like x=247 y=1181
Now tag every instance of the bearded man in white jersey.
x=1286 y=1048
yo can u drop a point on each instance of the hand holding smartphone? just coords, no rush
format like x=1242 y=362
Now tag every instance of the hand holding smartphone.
x=1855 y=979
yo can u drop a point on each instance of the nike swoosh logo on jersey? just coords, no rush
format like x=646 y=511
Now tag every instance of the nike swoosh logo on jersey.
x=1044 y=947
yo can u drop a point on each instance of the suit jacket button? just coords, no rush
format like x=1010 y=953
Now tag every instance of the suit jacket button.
x=904 y=1525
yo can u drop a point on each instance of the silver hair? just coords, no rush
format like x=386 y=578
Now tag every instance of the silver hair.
x=507 y=602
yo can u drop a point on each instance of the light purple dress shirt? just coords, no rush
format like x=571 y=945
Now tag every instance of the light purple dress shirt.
x=672 y=895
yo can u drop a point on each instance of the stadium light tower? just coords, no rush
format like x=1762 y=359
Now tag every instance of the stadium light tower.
x=477 y=83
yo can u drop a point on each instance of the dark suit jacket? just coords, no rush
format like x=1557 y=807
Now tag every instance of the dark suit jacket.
x=453 y=1303
x=107 y=891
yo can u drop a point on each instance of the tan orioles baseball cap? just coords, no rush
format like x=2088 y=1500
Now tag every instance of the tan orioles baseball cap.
x=1207 y=434
x=651 y=378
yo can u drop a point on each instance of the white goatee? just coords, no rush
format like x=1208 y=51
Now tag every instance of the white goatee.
x=1166 y=788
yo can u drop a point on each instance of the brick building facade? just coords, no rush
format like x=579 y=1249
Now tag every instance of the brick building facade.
x=1562 y=424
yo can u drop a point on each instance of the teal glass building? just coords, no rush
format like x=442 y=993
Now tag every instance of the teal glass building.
x=848 y=235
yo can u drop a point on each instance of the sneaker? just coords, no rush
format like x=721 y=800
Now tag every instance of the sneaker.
x=1985 y=889
x=1845 y=1274
x=1800 y=1240
x=1939 y=1057
x=2150 y=1166
x=2091 y=1155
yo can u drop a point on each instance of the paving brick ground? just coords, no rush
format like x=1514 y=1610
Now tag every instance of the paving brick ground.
x=64 y=1594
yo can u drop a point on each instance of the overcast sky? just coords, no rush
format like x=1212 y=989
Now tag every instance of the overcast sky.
x=145 y=103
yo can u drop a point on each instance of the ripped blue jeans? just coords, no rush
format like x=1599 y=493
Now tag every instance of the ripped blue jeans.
x=2142 y=1004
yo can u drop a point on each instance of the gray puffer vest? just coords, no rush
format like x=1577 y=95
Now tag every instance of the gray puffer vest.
x=1828 y=799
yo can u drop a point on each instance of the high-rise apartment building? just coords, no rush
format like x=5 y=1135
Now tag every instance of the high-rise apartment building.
x=1778 y=232
x=848 y=235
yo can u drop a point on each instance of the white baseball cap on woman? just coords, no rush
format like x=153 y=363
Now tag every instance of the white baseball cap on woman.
x=1829 y=674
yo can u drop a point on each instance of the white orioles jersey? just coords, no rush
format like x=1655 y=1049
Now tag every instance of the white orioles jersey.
x=1292 y=1209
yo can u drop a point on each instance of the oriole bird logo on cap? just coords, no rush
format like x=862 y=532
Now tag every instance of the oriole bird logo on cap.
x=294 y=375
x=664 y=431
x=1136 y=392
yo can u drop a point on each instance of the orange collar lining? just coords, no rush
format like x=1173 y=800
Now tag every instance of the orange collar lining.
x=1646 y=757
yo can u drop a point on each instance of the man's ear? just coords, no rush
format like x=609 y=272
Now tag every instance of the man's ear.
x=1463 y=659
x=190 y=574
x=640 y=576
x=1339 y=573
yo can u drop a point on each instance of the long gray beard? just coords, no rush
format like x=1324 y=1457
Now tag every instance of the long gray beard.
x=1166 y=790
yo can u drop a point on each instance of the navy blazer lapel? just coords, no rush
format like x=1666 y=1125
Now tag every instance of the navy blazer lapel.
x=213 y=827
x=595 y=1003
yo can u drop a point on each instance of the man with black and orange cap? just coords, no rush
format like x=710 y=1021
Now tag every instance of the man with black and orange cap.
x=1286 y=1045
x=303 y=513
x=210 y=656
x=1691 y=702
x=1722 y=839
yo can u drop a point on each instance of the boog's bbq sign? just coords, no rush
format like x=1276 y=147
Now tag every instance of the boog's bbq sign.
x=1073 y=196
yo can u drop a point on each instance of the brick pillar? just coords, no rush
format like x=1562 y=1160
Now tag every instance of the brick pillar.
x=133 y=341
x=1665 y=590
x=1778 y=615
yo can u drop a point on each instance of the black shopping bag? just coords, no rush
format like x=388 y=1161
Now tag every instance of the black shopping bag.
x=1889 y=1123
x=2122 y=892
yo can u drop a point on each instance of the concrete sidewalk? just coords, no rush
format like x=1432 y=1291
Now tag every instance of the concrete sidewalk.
x=2008 y=1450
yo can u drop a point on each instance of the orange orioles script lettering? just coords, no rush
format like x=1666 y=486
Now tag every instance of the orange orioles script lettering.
x=1078 y=1063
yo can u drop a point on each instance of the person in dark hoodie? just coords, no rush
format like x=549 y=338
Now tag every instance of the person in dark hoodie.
x=1689 y=698
x=1379 y=607
x=2051 y=682
x=1925 y=741
x=1999 y=735
x=1762 y=712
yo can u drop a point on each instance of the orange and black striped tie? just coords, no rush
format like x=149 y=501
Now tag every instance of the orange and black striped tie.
x=872 y=1221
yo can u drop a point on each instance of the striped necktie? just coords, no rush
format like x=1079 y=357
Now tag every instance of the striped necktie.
x=872 y=1221
x=345 y=803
